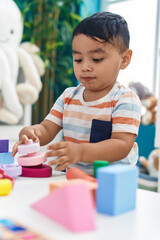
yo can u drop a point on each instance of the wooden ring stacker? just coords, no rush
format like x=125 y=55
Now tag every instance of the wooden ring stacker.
x=30 y=147
x=32 y=159
x=40 y=172
x=12 y=170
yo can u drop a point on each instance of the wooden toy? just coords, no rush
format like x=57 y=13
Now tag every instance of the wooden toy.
x=74 y=172
x=12 y=170
x=6 y=158
x=67 y=207
x=98 y=164
x=5 y=186
x=40 y=171
x=92 y=186
x=30 y=147
x=11 y=229
x=32 y=159
x=3 y=175
x=116 y=191
x=4 y=145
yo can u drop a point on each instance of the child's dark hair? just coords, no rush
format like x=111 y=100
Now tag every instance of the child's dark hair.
x=107 y=26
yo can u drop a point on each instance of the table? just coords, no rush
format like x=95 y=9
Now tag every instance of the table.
x=140 y=224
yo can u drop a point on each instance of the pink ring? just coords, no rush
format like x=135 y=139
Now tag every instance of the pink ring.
x=30 y=147
x=32 y=159
x=12 y=170
x=41 y=172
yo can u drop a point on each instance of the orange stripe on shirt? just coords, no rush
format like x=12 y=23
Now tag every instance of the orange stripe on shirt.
x=71 y=101
x=106 y=104
x=69 y=139
x=56 y=114
x=86 y=116
x=124 y=120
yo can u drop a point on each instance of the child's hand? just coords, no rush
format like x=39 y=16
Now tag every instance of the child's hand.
x=25 y=134
x=68 y=153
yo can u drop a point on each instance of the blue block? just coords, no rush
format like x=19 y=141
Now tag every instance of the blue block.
x=116 y=191
x=4 y=145
x=6 y=158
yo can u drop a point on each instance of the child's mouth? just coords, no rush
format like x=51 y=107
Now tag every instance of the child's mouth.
x=87 y=79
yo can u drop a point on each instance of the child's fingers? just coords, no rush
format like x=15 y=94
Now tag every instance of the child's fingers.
x=24 y=139
x=62 y=167
x=15 y=148
x=56 y=153
x=57 y=145
x=57 y=161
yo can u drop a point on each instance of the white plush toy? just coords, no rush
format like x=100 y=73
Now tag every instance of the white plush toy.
x=13 y=56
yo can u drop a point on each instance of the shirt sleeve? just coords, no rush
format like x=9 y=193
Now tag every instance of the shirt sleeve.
x=126 y=114
x=56 y=113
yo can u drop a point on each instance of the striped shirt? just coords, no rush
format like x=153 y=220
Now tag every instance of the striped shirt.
x=118 y=111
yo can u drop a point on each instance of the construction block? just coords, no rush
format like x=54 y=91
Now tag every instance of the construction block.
x=116 y=191
x=98 y=164
x=12 y=170
x=32 y=159
x=67 y=207
x=5 y=186
x=4 y=145
x=74 y=172
x=39 y=171
x=92 y=186
x=28 y=148
x=6 y=158
x=3 y=175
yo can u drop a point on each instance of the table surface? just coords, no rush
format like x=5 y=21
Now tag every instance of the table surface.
x=140 y=224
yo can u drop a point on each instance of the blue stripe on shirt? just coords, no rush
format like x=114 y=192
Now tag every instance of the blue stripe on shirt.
x=75 y=128
x=128 y=106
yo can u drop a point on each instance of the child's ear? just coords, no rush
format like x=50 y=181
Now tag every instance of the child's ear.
x=126 y=58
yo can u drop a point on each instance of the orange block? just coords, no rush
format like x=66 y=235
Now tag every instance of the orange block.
x=92 y=186
x=74 y=172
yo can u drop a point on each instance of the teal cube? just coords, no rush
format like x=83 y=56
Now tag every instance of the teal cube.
x=116 y=191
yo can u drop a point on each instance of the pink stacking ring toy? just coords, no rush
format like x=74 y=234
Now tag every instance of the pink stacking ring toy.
x=12 y=170
x=41 y=172
x=32 y=159
x=30 y=147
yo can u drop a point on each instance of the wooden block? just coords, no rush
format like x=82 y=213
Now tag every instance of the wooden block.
x=6 y=158
x=74 y=172
x=92 y=186
x=4 y=145
x=98 y=164
x=67 y=207
x=116 y=191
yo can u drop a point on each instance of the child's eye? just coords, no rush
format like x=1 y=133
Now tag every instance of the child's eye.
x=97 y=59
x=78 y=60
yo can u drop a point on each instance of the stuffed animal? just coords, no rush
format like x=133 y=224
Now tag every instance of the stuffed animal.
x=148 y=100
x=152 y=164
x=14 y=57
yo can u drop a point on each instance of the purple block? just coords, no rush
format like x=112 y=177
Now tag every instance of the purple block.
x=4 y=145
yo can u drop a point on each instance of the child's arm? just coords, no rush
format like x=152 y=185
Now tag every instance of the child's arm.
x=43 y=133
x=114 y=149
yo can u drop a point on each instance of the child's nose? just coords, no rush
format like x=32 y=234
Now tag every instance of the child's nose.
x=86 y=66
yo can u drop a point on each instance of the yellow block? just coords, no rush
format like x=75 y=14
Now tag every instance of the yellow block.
x=5 y=186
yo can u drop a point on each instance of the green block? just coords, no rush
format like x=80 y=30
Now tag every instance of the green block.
x=98 y=164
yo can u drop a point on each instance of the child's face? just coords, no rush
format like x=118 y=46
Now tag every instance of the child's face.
x=96 y=64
